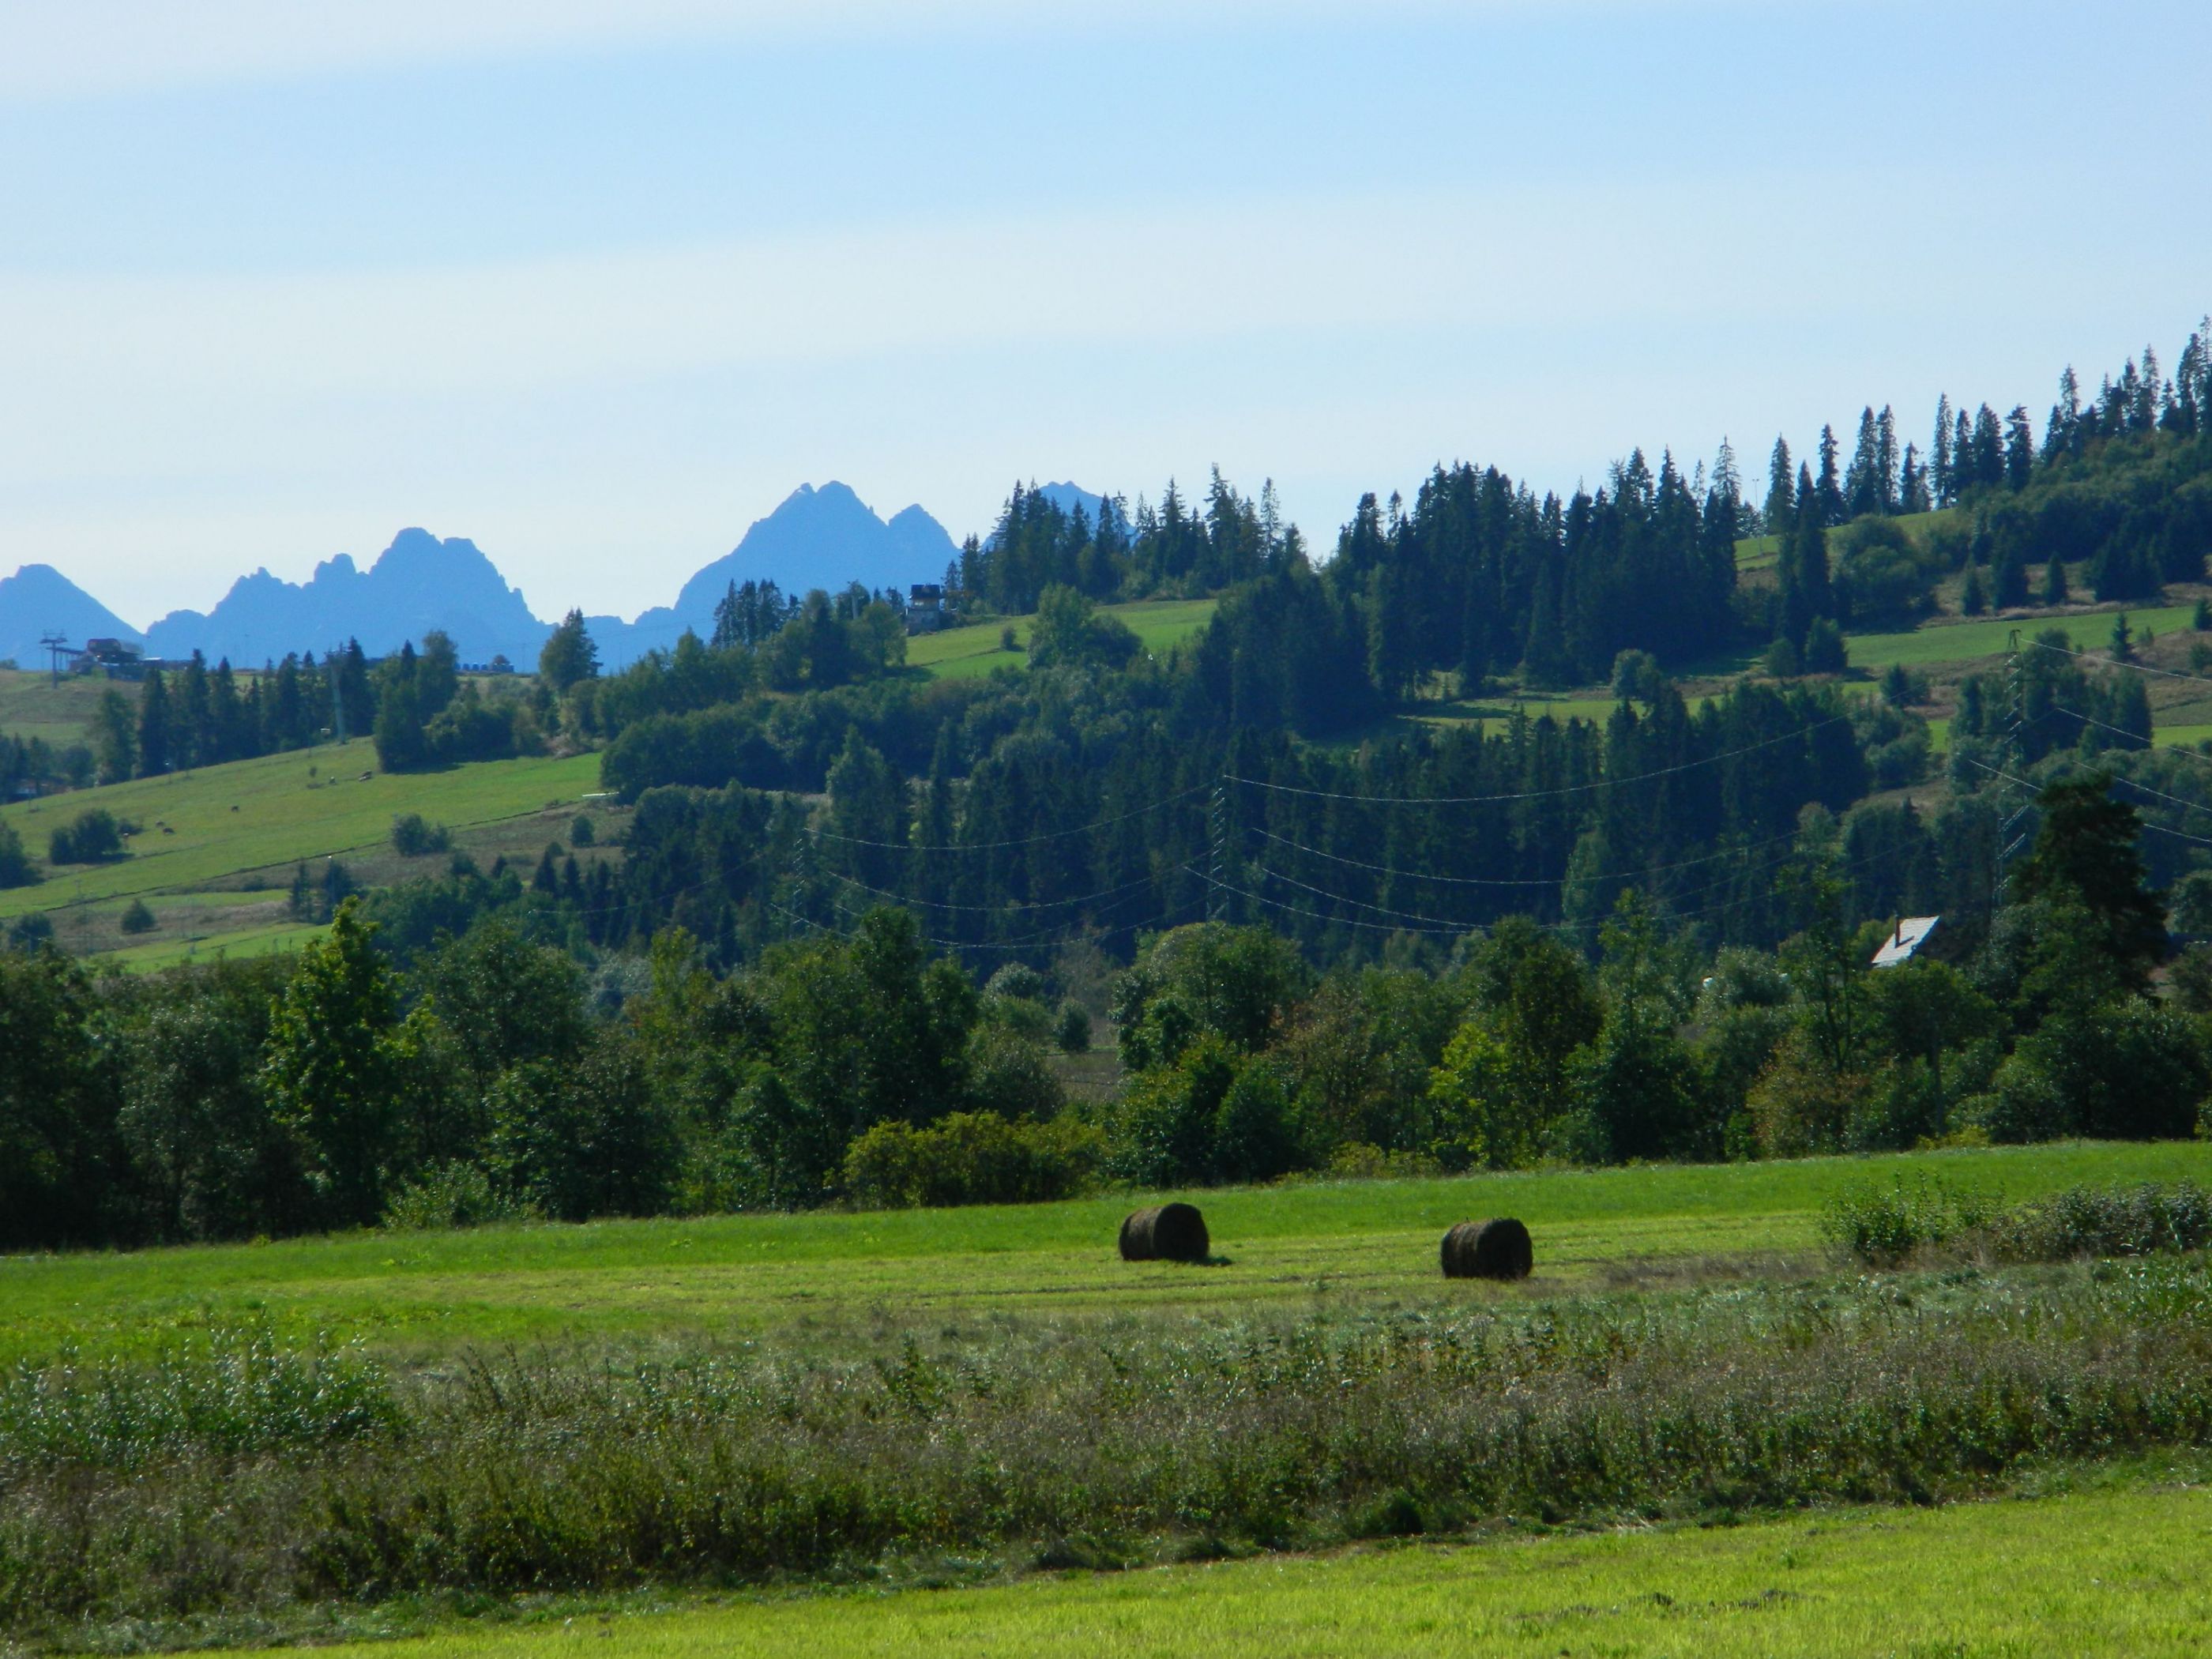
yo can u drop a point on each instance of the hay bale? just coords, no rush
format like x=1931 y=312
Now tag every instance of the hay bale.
x=1497 y=1249
x=1166 y=1232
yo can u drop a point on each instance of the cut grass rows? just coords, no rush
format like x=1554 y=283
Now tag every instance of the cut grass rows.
x=2108 y=1571
x=837 y=1275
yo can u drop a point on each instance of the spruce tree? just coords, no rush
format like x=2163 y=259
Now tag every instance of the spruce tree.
x=1973 y=598
x=153 y=725
x=1830 y=487
x=1939 y=457
x=1780 y=493
x=2054 y=582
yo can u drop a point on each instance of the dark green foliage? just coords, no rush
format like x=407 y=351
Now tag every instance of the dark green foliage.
x=1883 y=574
x=328 y=1063
x=587 y=1138
x=1892 y=1227
x=1825 y=652
x=15 y=866
x=401 y=745
x=412 y=837
x=58 y=1105
x=93 y=837
x=1070 y=631
x=137 y=917
x=971 y=1157
x=569 y=655
x=2086 y=850
x=1071 y=1032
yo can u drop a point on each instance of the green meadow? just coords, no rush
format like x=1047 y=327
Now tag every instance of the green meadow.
x=2104 y=1572
x=251 y=821
x=832 y=1277
x=975 y=649
x=31 y=705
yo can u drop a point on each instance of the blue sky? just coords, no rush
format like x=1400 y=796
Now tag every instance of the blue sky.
x=598 y=285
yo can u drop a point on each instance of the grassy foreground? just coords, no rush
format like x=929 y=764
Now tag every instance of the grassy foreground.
x=829 y=1276
x=2104 y=1572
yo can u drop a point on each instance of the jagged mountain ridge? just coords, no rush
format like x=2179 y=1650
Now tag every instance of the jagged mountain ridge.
x=817 y=537
x=418 y=583
x=37 y=600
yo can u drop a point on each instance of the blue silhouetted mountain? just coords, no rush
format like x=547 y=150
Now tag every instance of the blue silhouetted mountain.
x=417 y=584
x=1069 y=496
x=825 y=538
x=37 y=600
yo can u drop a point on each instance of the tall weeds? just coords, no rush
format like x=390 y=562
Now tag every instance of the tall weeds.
x=1889 y=1227
x=567 y=1472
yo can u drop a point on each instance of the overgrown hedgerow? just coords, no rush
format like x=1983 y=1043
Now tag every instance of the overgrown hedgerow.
x=521 y=1473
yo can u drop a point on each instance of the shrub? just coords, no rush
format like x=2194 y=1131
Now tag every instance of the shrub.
x=971 y=1157
x=1885 y=1227
x=456 y=1194
x=414 y=837
x=93 y=838
x=1072 y=1029
x=138 y=918
x=15 y=869
x=1889 y=1228
x=1009 y=1074
x=582 y=832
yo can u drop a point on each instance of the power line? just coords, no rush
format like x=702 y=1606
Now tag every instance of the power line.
x=1025 y=841
x=1519 y=881
x=1539 y=794
x=2116 y=662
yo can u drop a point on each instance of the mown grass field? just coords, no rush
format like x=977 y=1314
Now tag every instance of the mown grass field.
x=2105 y=1571
x=962 y=653
x=244 y=826
x=32 y=705
x=832 y=1276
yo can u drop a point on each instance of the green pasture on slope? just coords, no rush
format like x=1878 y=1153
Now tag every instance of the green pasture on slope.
x=963 y=652
x=830 y=1274
x=1968 y=641
x=2106 y=1572
x=303 y=804
x=237 y=944
x=32 y=705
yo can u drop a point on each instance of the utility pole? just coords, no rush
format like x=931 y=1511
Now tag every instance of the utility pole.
x=1218 y=825
x=2010 y=837
x=57 y=647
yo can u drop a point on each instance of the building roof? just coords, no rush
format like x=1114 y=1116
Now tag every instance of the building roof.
x=1907 y=937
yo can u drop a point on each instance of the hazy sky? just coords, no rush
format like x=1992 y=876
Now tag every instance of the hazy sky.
x=598 y=285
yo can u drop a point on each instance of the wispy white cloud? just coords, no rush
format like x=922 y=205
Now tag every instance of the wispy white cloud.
x=95 y=47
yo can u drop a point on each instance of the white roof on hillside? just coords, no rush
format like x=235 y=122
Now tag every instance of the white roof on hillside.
x=1908 y=936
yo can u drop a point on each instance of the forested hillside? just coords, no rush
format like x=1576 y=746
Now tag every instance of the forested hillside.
x=857 y=918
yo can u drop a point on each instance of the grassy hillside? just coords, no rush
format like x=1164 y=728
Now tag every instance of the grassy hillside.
x=959 y=653
x=2099 y=1572
x=32 y=705
x=824 y=1276
x=239 y=829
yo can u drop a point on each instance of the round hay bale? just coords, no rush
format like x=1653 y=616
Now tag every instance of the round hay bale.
x=1166 y=1232
x=1497 y=1249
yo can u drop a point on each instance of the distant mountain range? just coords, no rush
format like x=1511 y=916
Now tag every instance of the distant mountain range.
x=37 y=600
x=822 y=537
x=417 y=584
x=818 y=537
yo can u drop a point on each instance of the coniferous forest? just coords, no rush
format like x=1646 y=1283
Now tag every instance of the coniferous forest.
x=859 y=918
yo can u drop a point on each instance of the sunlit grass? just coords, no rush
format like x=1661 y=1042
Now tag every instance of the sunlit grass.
x=2105 y=1571
x=267 y=814
x=831 y=1272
